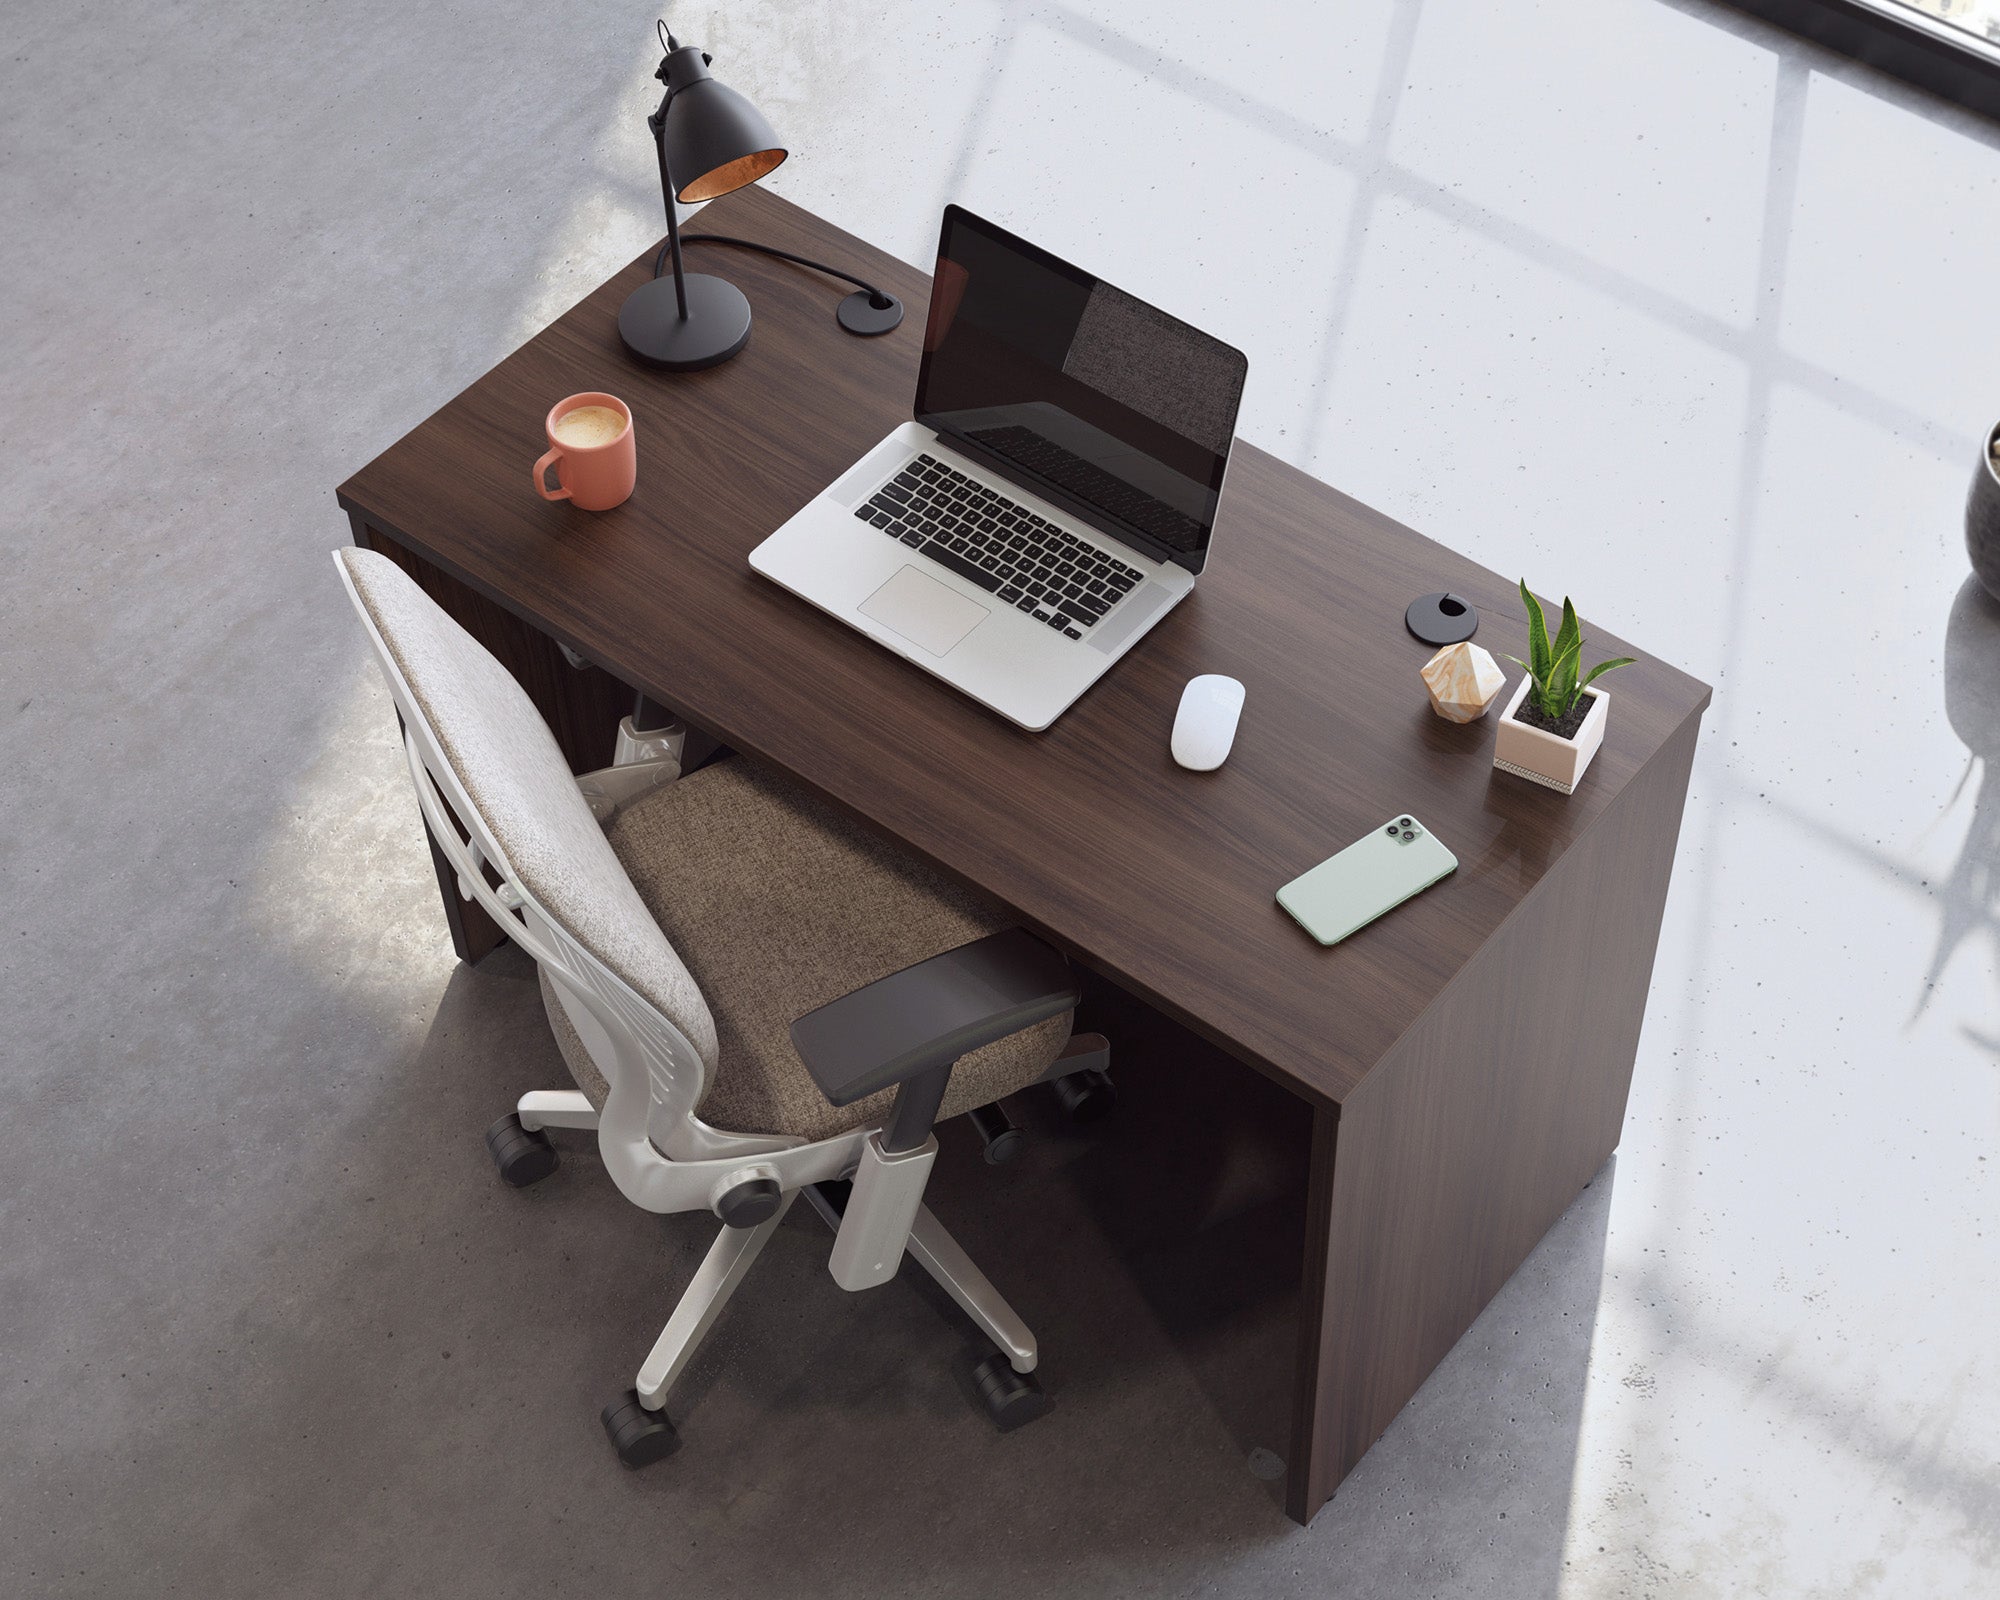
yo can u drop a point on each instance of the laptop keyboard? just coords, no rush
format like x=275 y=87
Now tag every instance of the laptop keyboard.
x=1029 y=562
x=1092 y=484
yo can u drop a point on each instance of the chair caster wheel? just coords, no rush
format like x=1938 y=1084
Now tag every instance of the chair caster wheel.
x=1012 y=1399
x=1087 y=1095
x=640 y=1437
x=524 y=1156
x=997 y=1132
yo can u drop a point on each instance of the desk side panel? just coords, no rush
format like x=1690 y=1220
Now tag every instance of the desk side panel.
x=1479 y=1128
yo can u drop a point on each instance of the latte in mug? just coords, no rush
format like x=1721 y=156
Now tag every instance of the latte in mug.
x=593 y=449
x=588 y=426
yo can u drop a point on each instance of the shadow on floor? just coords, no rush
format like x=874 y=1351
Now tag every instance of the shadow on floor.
x=406 y=1397
x=1969 y=900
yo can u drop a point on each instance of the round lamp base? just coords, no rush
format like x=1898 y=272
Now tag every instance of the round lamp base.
x=858 y=313
x=716 y=327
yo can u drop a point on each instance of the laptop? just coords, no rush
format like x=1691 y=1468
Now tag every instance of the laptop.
x=1052 y=496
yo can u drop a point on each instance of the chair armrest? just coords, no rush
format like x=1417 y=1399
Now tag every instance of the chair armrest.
x=927 y=1016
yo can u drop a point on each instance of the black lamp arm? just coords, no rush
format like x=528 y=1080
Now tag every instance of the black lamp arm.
x=658 y=123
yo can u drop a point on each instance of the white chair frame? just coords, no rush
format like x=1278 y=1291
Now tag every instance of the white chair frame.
x=662 y=1157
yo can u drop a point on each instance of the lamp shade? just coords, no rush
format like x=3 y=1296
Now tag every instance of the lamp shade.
x=716 y=141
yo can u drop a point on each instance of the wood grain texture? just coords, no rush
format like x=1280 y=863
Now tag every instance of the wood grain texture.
x=1159 y=878
x=1484 y=1123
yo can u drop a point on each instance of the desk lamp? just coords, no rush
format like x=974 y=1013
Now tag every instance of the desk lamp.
x=711 y=141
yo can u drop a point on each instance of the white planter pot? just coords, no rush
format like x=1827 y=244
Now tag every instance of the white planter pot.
x=1542 y=758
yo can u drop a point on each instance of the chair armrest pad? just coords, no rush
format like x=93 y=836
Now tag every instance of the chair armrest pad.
x=929 y=1015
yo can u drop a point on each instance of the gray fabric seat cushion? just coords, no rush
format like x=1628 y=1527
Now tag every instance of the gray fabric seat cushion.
x=777 y=904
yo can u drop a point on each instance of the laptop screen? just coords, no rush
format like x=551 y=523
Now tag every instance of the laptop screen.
x=1077 y=391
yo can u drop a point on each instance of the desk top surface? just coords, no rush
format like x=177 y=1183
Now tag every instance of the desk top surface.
x=1160 y=878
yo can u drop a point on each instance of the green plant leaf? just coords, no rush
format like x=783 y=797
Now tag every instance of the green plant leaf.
x=1539 y=655
x=1534 y=683
x=1570 y=635
x=1562 y=688
x=1604 y=666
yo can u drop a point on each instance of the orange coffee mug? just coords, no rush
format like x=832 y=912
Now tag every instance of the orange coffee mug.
x=593 y=451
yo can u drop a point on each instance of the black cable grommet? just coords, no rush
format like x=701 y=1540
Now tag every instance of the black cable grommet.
x=860 y=314
x=1441 y=619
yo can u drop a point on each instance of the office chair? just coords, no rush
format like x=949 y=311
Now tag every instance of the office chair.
x=755 y=997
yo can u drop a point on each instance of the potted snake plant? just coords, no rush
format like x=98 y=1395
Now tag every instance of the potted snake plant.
x=1554 y=723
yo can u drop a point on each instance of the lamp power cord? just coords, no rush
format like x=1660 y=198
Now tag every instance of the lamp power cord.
x=879 y=299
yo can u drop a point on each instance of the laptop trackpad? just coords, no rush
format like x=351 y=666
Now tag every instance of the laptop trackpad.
x=931 y=615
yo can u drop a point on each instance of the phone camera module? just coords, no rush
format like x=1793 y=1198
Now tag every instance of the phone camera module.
x=1408 y=836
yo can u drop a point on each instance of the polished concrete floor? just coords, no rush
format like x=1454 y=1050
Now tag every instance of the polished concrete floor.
x=1645 y=301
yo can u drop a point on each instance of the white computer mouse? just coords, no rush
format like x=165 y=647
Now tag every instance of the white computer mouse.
x=1205 y=725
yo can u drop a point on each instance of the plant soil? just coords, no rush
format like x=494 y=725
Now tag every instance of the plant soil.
x=1535 y=717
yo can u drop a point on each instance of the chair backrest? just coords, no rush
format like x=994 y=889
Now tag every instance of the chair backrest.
x=475 y=742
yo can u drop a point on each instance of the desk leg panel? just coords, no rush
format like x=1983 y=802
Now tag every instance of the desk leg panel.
x=1443 y=1170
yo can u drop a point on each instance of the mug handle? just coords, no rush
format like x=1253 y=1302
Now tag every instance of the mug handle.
x=541 y=480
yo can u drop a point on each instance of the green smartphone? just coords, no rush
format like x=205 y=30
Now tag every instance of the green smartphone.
x=1374 y=874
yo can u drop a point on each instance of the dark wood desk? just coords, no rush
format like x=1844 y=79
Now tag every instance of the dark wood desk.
x=1466 y=1059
